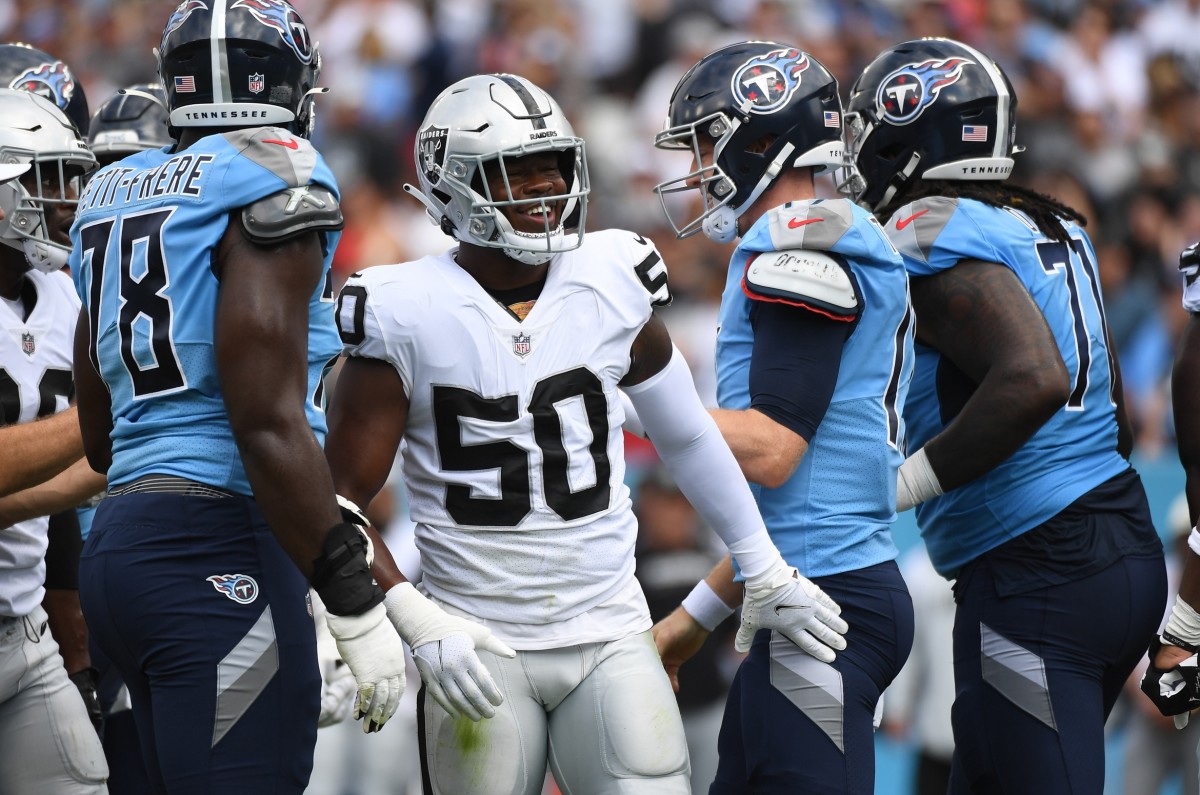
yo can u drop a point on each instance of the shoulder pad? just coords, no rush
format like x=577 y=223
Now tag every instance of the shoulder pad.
x=290 y=212
x=812 y=279
x=810 y=225
x=914 y=227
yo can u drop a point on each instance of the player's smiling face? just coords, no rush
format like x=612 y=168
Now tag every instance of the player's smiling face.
x=531 y=178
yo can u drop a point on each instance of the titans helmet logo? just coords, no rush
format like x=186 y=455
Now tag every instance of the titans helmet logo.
x=907 y=92
x=768 y=81
x=51 y=80
x=178 y=17
x=281 y=17
x=241 y=588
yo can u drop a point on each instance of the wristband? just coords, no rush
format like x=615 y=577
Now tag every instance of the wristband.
x=342 y=576
x=1194 y=541
x=703 y=605
x=1183 y=627
x=916 y=482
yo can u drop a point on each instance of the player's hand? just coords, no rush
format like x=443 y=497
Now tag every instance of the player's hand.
x=370 y=646
x=87 y=681
x=445 y=649
x=1172 y=682
x=678 y=638
x=337 y=681
x=795 y=607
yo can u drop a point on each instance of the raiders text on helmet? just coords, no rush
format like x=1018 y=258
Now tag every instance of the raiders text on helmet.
x=928 y=109
x=471 y=130
x=239 y=63
x=34 y=132
x=765 y=107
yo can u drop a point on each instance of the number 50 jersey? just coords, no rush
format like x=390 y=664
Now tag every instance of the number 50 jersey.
x=513 y=452
x=144 y=246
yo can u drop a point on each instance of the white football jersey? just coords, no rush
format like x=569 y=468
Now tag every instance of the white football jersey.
x=35 y=381
x=513 y=453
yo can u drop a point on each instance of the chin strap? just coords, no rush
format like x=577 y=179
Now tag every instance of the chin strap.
x=43 y=256
x=720 y=226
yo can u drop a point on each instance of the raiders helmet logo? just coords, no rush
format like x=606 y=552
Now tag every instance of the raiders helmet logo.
x=431 y=146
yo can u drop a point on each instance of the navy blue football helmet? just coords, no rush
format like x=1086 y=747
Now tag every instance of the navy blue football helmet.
x=763 y=107
x=268 y=65
x=132 y=120
x=27 y=68
x=928 y=109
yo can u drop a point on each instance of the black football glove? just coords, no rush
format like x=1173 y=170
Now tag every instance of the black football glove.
x=88 y=681
x=1175 y=691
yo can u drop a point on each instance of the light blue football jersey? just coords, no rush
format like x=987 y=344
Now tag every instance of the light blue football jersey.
x=144 y=243
x=835 y=513
x=1072 y=453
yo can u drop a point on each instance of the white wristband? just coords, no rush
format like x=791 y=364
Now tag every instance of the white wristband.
x=1184 y=623
x=1194 y=541
x=915 y=482
x=706 y=607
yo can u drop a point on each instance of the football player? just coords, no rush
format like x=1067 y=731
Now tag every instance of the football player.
x=814 y=354
x=1173 y=679
x=1018 y=441
x=49 y=745
x=497 y=363
x=206 y=329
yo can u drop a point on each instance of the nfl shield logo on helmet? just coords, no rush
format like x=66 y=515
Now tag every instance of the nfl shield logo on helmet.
x=522 y=345
x=27 y=343
x=257 y=83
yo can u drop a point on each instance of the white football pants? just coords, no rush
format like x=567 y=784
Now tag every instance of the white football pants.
x=602 y=714
x=49 y=744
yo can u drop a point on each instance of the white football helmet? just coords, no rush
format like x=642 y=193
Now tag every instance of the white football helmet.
x=480 y=122
x=36 y=135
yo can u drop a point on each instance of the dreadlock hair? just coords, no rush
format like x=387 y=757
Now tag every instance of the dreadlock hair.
x=1046 y=213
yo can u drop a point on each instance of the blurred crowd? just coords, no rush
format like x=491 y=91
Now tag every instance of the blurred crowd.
x=1109 y=112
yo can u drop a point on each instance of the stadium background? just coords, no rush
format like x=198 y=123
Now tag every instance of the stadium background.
x=1109 y=110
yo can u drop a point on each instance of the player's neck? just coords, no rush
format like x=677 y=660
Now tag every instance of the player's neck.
x=496 y=271
x=13 y=268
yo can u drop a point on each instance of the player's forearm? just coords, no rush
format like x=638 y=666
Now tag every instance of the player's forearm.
x=290 y=480
x=720 y=579
x=68 y=628
x=37 y=451
x=65 y=490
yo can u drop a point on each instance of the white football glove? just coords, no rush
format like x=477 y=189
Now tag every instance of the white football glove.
x=337 y=682
x=445 y=651
x=794 y=606
x=370 y=646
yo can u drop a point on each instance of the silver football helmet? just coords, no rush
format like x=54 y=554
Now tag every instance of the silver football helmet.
x=35 y=134
x=471 y=130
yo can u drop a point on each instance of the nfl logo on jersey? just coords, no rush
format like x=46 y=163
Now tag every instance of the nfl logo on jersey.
x=257 y=84
x=522 y=345
x=27 y=343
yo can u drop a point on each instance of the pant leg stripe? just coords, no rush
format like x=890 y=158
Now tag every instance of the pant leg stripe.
x=1017 y=674
x=813 y=686
x=244 y=674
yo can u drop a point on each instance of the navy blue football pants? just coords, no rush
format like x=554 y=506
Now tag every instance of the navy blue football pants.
x=794 y=724
x=206 y=619
x=1037 y=673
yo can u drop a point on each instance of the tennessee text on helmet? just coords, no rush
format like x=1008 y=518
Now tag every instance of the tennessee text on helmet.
x=239 y=63
x=928 y=109
x=473 y=130
x=763 y=107
x=37 y=138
